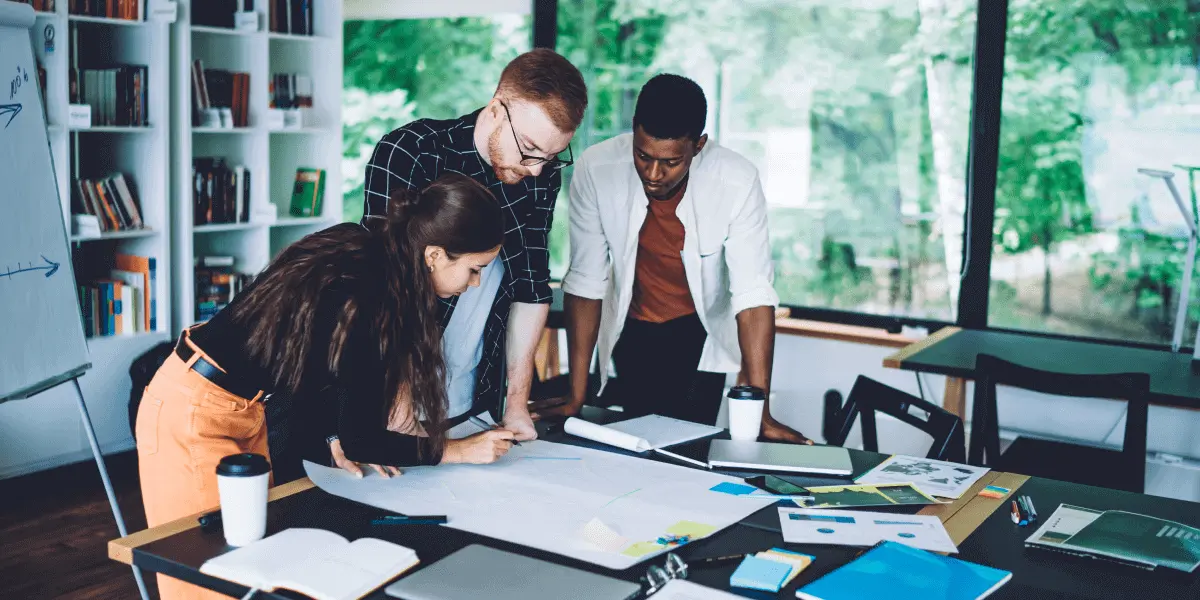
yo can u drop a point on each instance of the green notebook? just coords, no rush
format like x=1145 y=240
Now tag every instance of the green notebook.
x=1126 y=537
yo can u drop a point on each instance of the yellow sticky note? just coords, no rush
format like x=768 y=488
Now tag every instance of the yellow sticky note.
x=691 y=529
x=640 y=549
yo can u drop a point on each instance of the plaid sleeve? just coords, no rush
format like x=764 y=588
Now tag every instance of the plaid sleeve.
x=530 y=263
x=406 y=157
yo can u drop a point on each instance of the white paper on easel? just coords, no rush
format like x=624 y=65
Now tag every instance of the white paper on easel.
x=605 y=435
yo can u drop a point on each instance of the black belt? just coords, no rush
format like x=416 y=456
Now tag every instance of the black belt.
x=210 y=372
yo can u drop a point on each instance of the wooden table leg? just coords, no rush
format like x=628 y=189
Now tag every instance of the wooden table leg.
x=955 y=400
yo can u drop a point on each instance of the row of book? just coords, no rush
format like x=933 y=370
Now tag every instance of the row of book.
x=112 y=200
x=125 y=302
x=220 y=192
x=129 y=10
x=218 y=88
x=289 y=90
x=217 y=283
x=117 y=95
x=292 y=16
x=40 y=5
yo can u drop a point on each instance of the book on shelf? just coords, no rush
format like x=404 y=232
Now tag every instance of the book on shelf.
x=308 y=192
x=116 y=94
x=290 y=90
x=218 y=88
x=219 y=13
x=292 y=16
x=128 y=10
x=124 y=302
x=217 y=283
x=40 y=5
x=112 y=200
x=220 y=192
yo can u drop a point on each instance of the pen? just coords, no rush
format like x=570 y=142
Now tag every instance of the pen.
x=250 y=594
x=716 y=560
x=411 y=520
x=483 y=425
x=1032 y=510
x=1016 y=515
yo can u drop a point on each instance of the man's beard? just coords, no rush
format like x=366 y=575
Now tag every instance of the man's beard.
x=507 y=174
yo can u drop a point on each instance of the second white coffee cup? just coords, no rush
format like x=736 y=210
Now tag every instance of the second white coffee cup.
x=745 y=412
x=242 y=483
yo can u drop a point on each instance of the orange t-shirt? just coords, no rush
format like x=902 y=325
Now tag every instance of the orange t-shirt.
x=660 y=287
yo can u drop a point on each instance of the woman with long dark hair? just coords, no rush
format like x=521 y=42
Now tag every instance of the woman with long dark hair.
x=349 y=314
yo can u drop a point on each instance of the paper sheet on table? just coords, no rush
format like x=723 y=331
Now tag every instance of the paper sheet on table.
x=543 y=494
x=682 y=589
x=860 y=528
x=936 y=477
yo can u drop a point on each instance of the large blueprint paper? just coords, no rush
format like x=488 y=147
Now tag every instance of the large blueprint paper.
x=551 y=496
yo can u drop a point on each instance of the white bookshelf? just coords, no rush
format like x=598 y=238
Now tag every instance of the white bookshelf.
x=272 y=156
x=45 y=432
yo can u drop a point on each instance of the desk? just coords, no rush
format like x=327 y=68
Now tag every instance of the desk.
x=984 y=534
x=953 y=351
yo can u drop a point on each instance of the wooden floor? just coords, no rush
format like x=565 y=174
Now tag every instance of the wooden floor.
x=54 y=531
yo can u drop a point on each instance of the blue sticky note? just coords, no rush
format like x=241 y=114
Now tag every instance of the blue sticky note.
x=760 y=574
x=737 y=489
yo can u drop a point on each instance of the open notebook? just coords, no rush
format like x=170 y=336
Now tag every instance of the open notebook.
x=314 y=562
x=651 y=432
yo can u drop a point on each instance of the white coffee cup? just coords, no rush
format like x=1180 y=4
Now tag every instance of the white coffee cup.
x=745 y=412
x=242 y=483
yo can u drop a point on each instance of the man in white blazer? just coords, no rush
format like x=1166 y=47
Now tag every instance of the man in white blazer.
x=670 y=265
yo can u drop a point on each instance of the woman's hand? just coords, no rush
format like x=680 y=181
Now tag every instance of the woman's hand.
x=481 y=448
x=339 y=458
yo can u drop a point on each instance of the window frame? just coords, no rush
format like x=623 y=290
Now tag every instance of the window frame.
x=983 y=151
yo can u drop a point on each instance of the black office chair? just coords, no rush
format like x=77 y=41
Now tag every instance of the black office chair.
x=1124 y=469
x=869 y=396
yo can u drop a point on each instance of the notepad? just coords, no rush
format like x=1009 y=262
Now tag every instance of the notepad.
x=318 y=563
x=760 y=574
x=796 y=560
x=650 y=432
x=892 y=570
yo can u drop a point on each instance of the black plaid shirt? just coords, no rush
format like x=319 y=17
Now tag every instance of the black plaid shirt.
x=418 y=153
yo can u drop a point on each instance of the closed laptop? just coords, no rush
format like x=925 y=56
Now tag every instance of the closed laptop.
x=767 y=456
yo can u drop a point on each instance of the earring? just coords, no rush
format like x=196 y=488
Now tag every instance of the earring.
x=430 y=268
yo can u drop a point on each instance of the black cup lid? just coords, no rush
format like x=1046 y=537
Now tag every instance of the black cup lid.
x=243 y=465
x=746 y=392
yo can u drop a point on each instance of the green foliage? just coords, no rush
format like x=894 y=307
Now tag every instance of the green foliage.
x=398 y=71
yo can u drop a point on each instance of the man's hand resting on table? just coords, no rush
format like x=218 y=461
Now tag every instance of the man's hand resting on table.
x=775 y=431
x=520 y=422
x=481 y=448
x=339 y=458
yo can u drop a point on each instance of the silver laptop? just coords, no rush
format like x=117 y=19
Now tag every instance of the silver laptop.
x=482 y=572
x=767 y=456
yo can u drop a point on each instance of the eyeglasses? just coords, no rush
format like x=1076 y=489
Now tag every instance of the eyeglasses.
x=533 y=161
x=657 y=577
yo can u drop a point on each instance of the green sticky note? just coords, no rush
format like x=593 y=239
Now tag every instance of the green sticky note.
x=640 y=549
x=691 y=529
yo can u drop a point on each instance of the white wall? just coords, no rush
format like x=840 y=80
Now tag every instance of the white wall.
x=429 y=9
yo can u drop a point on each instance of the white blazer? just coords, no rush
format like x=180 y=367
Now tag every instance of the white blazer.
x=726 y=253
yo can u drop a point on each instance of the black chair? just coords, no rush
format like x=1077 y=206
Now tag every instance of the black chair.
x=869 y=396
x=1124 y=469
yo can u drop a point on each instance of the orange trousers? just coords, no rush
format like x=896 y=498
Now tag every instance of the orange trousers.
x=185 y=425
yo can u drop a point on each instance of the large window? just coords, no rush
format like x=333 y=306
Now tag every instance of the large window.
x=399 y=70
x=855 y=112
x=1093 y=91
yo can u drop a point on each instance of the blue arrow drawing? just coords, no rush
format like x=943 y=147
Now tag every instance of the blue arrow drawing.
x=50 y=268
x=12 y=110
